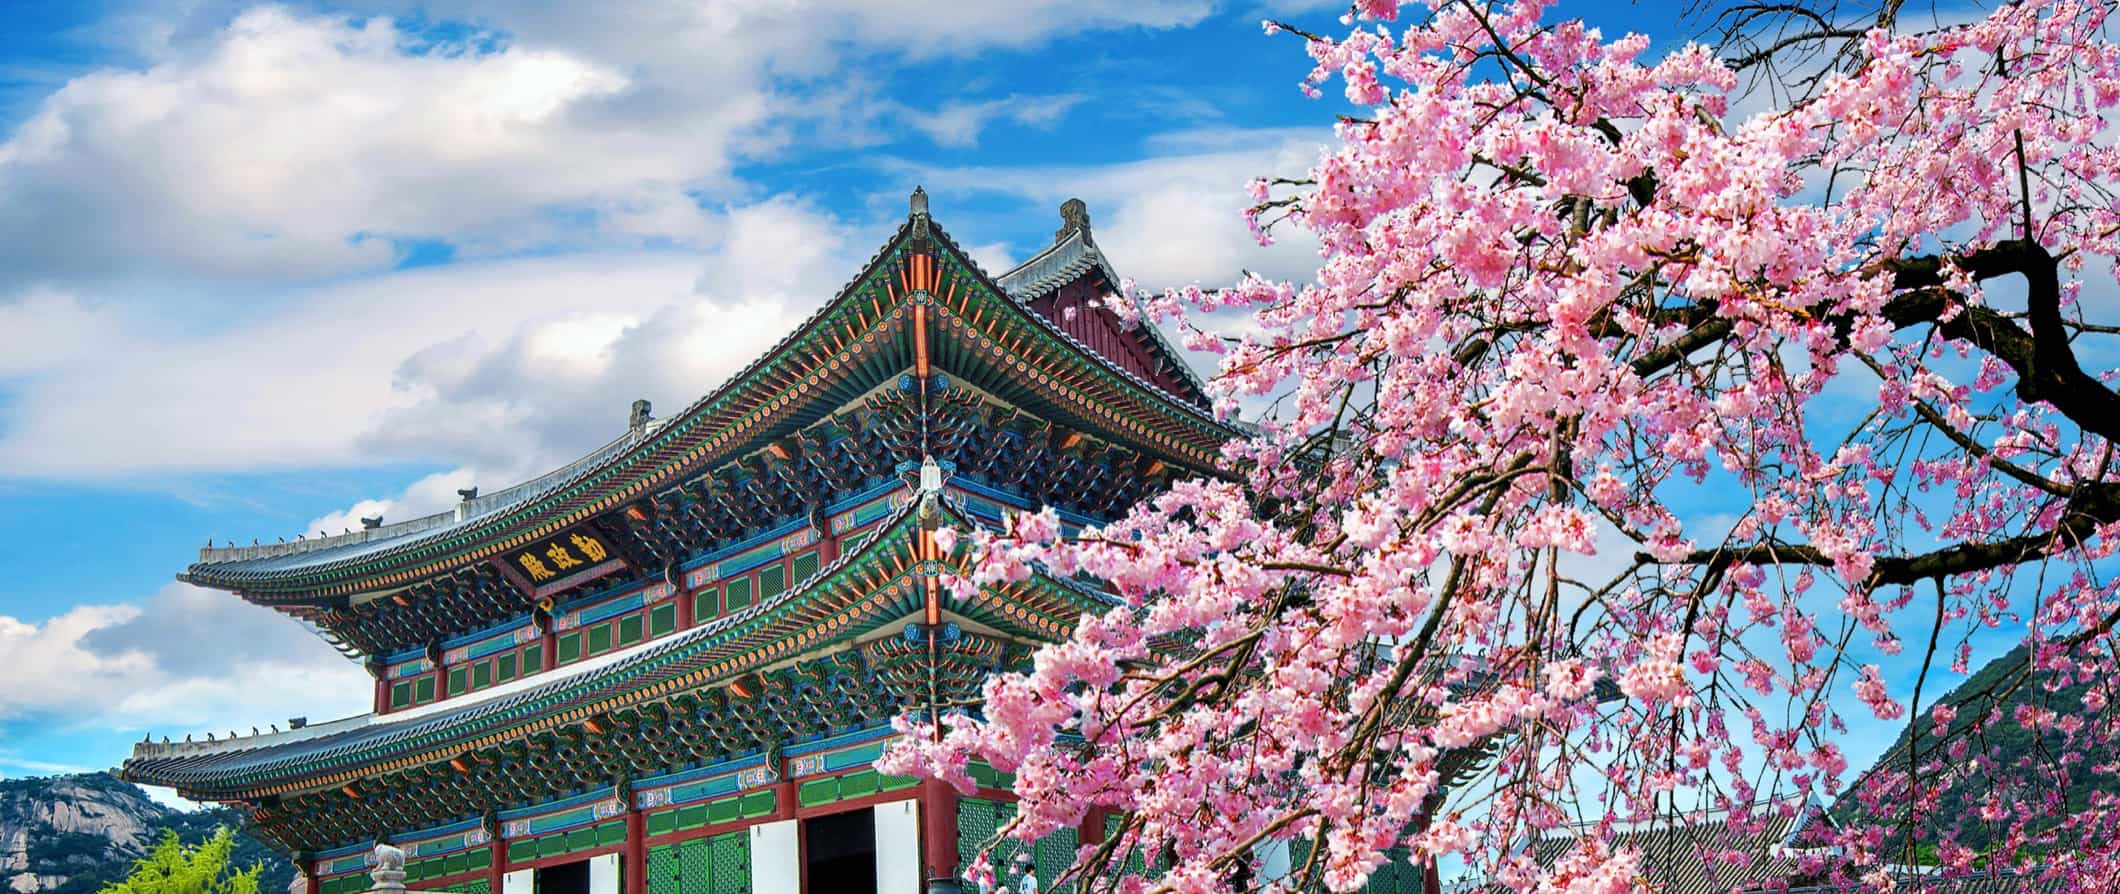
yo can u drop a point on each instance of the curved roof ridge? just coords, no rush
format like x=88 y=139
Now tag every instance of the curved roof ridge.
x=467 y=511
x=377 y=729
x=573 y=472
x=243 y=572
x=1205 y=414
x=1070 y=256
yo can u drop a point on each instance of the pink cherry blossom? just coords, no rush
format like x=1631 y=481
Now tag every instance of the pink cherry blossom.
x=1763 y=389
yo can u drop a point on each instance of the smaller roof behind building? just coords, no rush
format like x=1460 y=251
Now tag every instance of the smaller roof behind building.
x=1709 y=852
x=1074 y=257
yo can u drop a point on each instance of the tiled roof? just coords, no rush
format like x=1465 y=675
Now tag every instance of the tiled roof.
x=1070 y=256
x=186 y=762
x=255 y=565
x=1686 y=854
x=2008 y=883
x=353 y=544
x=191 y=764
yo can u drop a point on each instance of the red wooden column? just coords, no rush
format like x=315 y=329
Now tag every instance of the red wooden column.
x=441 y=672
x=636 y=871
x=938 y=829
x=1431 y=874
x=381 y=673
x=687 y=604
x=827 y=543
x=1091 y=831
x=547 y=645
x=497 y=863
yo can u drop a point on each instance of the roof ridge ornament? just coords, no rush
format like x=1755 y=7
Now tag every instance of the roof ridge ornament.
x=1074 y=217
x=919 y=213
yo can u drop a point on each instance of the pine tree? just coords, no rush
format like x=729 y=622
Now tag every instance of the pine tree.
x=172 y=867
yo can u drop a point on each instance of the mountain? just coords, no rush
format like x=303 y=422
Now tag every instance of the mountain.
x=2008 y=760
x=75 y=834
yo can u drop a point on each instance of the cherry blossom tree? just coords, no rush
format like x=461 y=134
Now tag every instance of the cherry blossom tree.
x=1658 y=420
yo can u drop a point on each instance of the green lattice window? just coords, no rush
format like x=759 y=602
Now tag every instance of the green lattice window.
x=853 y=542
x=1135 y=862
x=1052 y=855
x=600 y=639
x=401 y=694
x=772 y=582
x=423 y=690
x=739 y=595
x=706 y=605
x=533 y=658
x=979 y=820
x=662 y=619
x=482 y=675
x=504 y=668
x=629 y=630
x=729 y=864
x=663 y=874
x=570 y=647
x=803 y=567
x=459 y=680
x=694 y=870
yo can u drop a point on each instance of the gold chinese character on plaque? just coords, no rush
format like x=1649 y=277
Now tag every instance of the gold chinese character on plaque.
x=590 y=547
x=536 y=568
x=561 y=558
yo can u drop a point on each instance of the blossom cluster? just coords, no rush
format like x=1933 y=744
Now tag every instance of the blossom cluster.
x=1628 y=448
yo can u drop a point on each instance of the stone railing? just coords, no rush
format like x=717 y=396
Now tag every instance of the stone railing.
x=388 y=876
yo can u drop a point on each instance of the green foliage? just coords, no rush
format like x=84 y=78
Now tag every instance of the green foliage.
x=2004 y=759
x=84 y=862
x=173 y=867
x=56 y=849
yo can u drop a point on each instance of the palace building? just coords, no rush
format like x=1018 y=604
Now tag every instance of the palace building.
x=667 y=667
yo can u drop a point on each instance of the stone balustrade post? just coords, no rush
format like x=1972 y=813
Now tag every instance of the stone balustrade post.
x=388 y=876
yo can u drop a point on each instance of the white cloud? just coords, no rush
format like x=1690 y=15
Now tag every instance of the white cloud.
x=289 y=145
x=959 y=123
x=188 y=659
x=510 y=367
x=428 y=495
x=294 y=383
x=49 y=668
x=32 y=767
x=809 y=36
x=1175 y=217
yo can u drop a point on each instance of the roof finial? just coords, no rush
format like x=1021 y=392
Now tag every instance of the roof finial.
x=919 y=217
x=1074 y=215
x=643 y=411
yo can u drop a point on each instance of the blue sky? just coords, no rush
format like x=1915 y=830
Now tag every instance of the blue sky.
x=272 y=267
x=269 y=268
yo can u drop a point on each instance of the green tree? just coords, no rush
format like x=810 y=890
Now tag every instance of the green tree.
x=173 y=867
